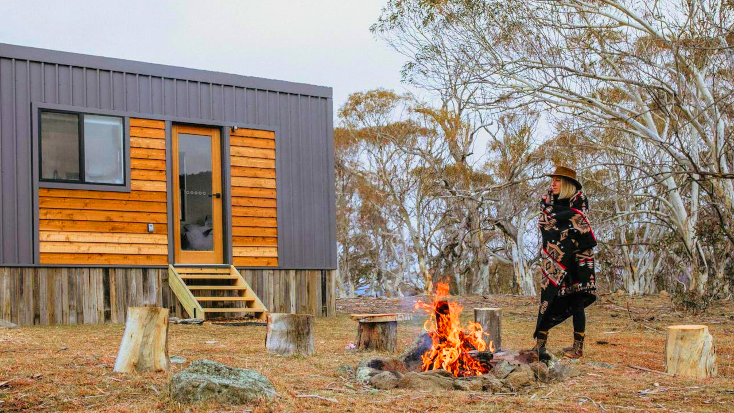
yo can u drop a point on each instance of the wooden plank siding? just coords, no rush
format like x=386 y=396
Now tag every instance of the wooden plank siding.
x=111 y=228
x=254 y=206
x=294 y=291
x=48 y=296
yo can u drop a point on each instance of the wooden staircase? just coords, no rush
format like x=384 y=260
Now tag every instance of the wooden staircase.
x=206 y=292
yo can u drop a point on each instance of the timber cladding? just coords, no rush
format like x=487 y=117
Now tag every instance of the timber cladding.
x=111 y=228
x=294 y=291
x=81 y=295
x=254 y=212
x=36 y=295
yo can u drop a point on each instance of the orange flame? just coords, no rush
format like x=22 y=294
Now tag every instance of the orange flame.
x=451 y=343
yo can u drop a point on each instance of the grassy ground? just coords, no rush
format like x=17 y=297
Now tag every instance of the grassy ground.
x=69 y=368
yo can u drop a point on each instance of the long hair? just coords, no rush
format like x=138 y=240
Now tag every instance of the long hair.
x=568 y=188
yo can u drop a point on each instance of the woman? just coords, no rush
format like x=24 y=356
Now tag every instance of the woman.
x=567 y=261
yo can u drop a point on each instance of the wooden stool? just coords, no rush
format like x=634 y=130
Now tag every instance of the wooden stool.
x=491 y=321
x=378 y=331
x=690 y=351
x=289 y=334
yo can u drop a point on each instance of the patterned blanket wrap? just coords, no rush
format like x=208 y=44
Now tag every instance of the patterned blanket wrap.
x=567 y=258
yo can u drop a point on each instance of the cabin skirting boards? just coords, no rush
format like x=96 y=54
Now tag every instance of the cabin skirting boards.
x=46 y=296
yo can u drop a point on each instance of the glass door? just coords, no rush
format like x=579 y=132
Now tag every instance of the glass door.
x=197 y=186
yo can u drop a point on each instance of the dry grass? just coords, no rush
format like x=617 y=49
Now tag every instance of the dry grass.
x=69 y=368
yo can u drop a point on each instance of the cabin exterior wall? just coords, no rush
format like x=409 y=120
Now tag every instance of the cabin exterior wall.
x=301 y=115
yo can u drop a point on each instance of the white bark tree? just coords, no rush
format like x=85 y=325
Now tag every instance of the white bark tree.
x=659 y=73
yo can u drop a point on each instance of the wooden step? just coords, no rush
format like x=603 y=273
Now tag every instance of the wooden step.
x=194 y=301
x=217 y=287
x=209 y=277
x=224 y=299
x=202 y=270
x=232 y=310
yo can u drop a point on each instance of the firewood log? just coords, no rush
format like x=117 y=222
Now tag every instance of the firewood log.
x=484 y=357
x=690 y=351
x=144 y=345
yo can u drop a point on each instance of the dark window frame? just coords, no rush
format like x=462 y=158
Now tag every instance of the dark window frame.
x=81 y=184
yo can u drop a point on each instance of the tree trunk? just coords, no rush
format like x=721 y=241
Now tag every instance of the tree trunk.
x=481 y=282
x=144 y=346
x=340 y=284
x=426 y=275
x=380 y=336
x=289 y=334
x=690 y=351
x=523 y=275
x=491 y=321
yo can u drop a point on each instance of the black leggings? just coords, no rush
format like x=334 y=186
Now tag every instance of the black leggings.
x=576 y=302
x=579 y=315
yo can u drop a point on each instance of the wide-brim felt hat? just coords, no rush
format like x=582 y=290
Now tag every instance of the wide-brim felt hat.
x=567 y=173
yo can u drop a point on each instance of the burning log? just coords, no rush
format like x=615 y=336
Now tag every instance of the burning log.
x=289 y=334
x=491 y=321
x=483 y=357
x=690 y=351
x=454 y=349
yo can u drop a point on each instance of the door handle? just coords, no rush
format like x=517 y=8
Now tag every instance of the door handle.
x=217 y=195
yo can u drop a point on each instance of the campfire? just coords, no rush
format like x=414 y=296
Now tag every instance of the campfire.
x=461 y=351
x=449 y=356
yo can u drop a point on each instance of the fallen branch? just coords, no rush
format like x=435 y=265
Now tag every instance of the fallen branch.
x=316 y=396
x=95 y=396
x=5 y=383
x=649 y=370
x=592 y=401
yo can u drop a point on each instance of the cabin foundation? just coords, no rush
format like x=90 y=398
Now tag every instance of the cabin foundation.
x=52 y=296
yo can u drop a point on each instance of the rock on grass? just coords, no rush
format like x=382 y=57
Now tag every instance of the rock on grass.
x=206 y=380
x=521 y=377
x=7 y=324
x=386 y=380
x=419 y=381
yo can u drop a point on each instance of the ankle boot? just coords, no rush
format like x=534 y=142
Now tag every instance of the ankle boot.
x=577 y=351
x=540 y=340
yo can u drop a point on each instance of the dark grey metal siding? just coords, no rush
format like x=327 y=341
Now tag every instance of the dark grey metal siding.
x=301 y=113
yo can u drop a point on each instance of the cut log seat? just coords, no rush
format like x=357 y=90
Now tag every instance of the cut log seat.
x=690 y=352
x=378 y=331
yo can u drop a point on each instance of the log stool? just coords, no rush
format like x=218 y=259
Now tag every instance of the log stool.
x=144 y=346
x=290 y=334
x=491 y=321
x=690 y=351
x=378 y=331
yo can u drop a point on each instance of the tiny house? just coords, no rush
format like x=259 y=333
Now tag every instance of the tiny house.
x=126 y=183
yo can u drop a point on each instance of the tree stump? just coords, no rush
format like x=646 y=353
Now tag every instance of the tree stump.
x=690 y=351
x=144 y=345
x=491 y=321
x=382 y=336
x=378 y=331
x=289 y=334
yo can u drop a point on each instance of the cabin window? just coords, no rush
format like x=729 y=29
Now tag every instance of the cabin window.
x=82 y=148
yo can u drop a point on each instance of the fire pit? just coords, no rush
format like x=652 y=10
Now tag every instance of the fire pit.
x=449 y=356
x=460 y=351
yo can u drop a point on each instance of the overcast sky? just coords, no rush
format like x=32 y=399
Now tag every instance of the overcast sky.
x=321 y=42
